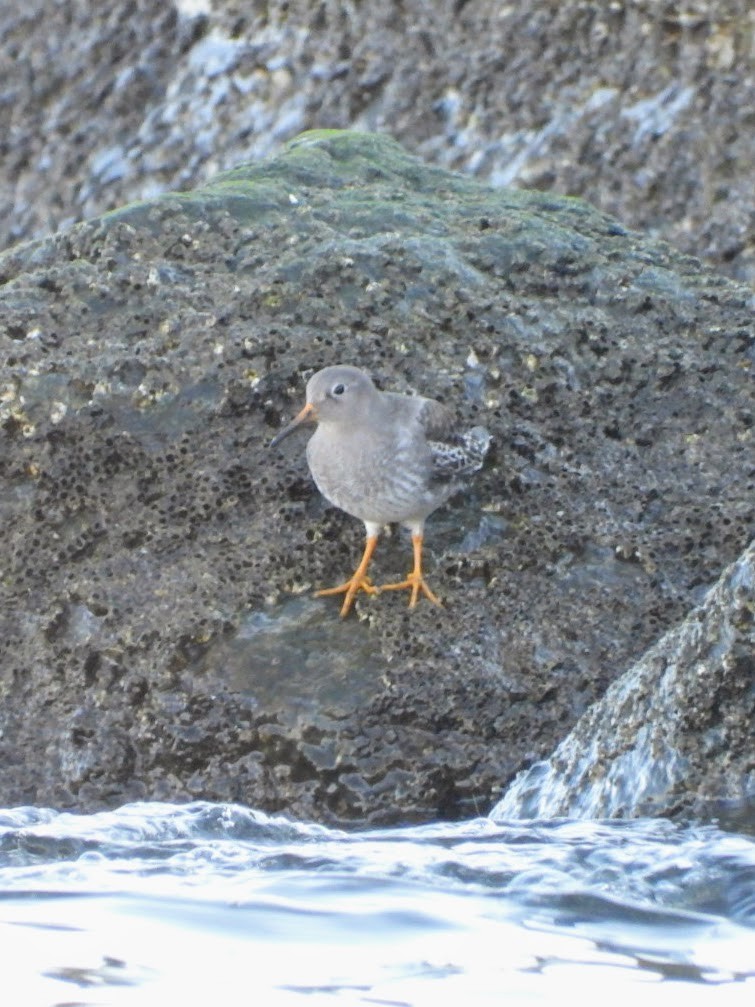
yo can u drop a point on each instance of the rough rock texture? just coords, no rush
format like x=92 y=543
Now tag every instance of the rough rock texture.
x=158 y=635
x=645 y=107
x=676 y=731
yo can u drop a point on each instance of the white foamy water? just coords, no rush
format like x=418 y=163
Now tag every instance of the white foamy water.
x=161 y=904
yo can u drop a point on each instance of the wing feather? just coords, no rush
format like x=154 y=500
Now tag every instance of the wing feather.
x=455 y=453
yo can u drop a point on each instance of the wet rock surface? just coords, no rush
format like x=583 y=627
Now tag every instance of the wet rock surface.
x=643 y=108
x=159 y=560
x=675 y=732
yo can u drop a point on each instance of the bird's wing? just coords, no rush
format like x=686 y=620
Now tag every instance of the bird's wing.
x=437 y=421
x=453 y=452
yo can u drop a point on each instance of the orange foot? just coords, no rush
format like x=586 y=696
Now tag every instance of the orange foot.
x=415 y=581
x=359 y=581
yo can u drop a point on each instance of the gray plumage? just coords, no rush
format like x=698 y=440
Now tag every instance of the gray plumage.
x=384 y=458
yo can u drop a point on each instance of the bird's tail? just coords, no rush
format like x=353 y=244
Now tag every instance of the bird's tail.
x=476 y=442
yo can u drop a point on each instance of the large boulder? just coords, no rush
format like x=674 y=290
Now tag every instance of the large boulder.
x=644 y=108
x=159 y=638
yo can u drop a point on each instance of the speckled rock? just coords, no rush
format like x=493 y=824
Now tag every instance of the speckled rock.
x=159 y=638
x=642 y=107
x=675 y=732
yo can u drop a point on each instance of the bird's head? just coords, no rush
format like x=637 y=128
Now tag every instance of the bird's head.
x=339 y=395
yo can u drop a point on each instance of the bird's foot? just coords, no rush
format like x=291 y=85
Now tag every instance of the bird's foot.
x=416 y=583
x=359 y=581
x=350 y=588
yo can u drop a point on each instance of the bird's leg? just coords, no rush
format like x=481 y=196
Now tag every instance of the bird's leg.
x=415 y=580
x=359 y=581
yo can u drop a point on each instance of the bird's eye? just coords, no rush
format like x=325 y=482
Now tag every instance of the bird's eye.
x=339 y=389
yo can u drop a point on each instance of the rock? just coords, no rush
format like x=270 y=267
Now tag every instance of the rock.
x=158 y=635
x=644 y=109
x=674 y=733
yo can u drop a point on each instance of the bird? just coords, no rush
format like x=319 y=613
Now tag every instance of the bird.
x=384 y=458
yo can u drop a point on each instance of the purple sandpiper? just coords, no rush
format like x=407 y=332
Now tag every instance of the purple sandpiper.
x=383 y=458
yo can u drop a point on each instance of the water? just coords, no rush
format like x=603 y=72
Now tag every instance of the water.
x=157 y=904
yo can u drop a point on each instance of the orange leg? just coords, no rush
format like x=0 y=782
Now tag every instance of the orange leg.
x=359 y=581
x=415 y=580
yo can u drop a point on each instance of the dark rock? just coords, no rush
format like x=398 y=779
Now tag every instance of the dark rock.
x=675 y=732
x=155 y=639
x=645 y=108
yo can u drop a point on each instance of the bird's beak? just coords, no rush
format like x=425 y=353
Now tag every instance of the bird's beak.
x=307 y=415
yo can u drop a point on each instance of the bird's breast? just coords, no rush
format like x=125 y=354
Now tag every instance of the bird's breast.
x=372 y=477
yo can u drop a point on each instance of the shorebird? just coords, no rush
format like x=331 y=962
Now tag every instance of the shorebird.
x=384 y=458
